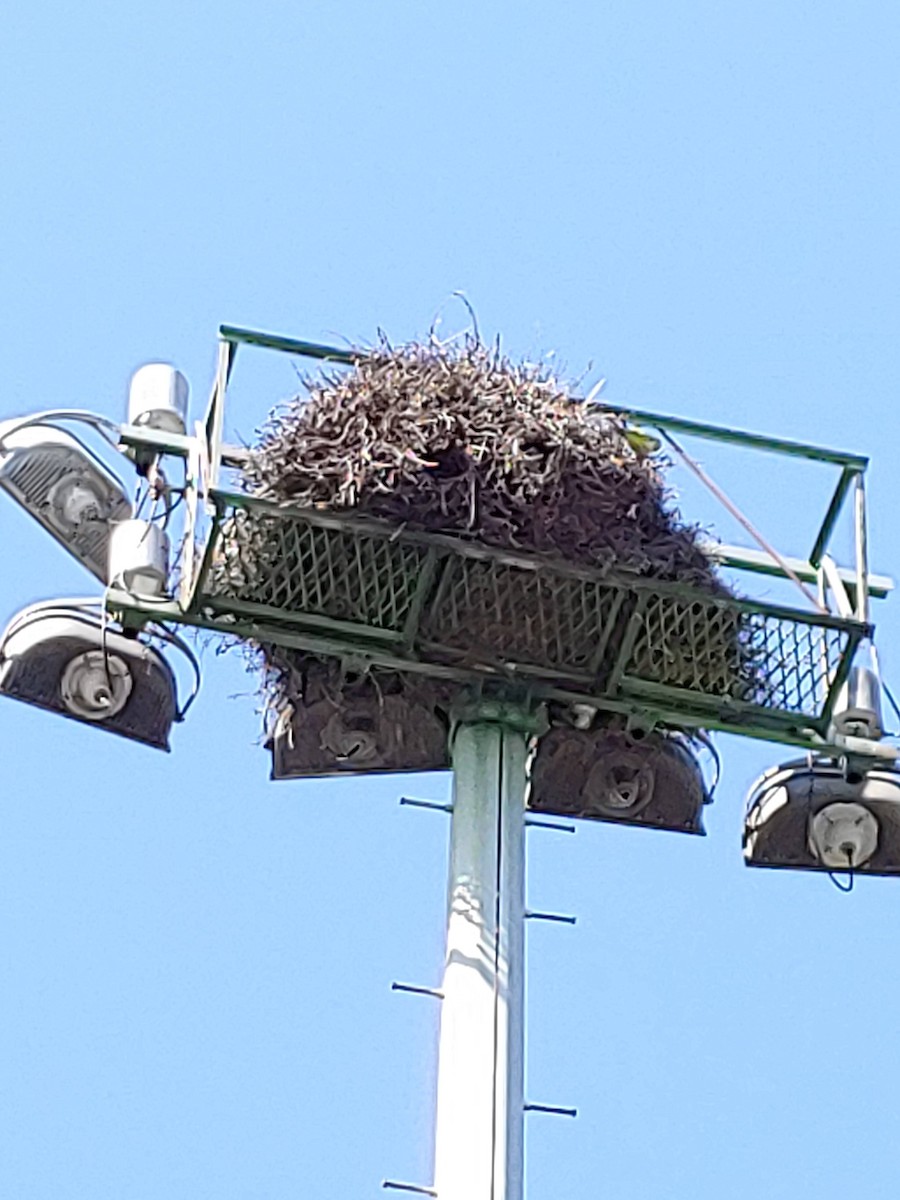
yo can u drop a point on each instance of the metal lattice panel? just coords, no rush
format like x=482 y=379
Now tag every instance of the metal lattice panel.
x=697 y=645
x=441 y=604
x=729 y=652
x=800 y=659
x=504 y=613
x=286 y=564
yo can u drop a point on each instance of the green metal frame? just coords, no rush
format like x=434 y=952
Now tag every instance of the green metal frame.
x=423 y=634
x=852 y=465
x=618 y=642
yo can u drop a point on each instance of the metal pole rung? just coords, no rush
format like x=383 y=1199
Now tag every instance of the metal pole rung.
x=434 y=805
x=416 y=1188
x=560 y=918
x=417 y=990
x=533 y=823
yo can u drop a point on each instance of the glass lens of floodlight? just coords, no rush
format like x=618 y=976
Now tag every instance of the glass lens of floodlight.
x=66 y=488
x=96 y=686
x=843 y=836
x=621 y=783
x=75 y=500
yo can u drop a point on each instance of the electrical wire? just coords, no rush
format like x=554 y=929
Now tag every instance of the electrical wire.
x=705 y=740
x=140 y=504
x=163 y=633
x=893 y=704
x=848 y=887
x=160 y=496
x=166 y=634
x=873 y=650
x=104 y=626
x=67 y=606
x=178 y=493
x=732 y=508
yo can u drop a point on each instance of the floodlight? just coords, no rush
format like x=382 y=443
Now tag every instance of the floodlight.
x=63 y=659
x=364 y=735
x=823 y=815
x=65 y=487
x=610 y=775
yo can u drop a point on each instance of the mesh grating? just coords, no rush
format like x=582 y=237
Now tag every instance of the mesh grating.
x=500 y=612
x=285 y=563
x=799 y=661
x=592 y=635
x=730 y=654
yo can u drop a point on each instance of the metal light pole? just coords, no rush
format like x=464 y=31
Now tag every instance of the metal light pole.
x=608 y=653
x=479 y=1133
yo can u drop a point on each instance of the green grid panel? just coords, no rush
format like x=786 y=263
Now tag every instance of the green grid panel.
x=731 y=654
x=281 y=566
x=441 y=601
x=501 y=613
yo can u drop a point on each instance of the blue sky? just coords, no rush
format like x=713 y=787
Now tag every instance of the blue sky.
x=699 y=204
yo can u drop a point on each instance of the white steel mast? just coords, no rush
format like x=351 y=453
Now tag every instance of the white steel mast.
x=479 y=1126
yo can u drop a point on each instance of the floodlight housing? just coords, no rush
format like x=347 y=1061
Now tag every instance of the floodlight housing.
x=139 y=558
x=858 y=708
x=364 y=735
x=63 y=660
x=609 y=775
x=821 y=815
x=65 y=487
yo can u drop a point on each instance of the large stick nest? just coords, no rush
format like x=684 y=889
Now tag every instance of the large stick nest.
x=463 y=441
x=457 y=439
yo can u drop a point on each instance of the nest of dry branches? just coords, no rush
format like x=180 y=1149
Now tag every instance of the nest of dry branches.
x=460 y=440
x=457 y=439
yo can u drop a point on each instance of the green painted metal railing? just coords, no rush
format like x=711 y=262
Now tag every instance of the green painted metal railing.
x=340 y=585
